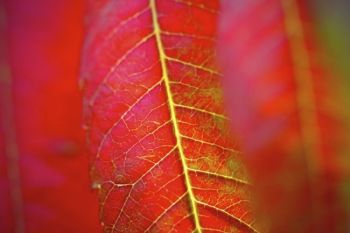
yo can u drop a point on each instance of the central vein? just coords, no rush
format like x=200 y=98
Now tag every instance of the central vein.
x=165 y=77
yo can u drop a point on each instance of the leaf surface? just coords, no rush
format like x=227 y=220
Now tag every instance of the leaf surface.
x=44 y=183
x=163 y=157
x=284 y=104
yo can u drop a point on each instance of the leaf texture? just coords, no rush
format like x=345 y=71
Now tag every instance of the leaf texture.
x=284 y=104
x=44 y=183
x=163 y=157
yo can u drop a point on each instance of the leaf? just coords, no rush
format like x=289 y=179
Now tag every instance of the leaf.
x=284 y=104
x=163 y=157
x=43 y=170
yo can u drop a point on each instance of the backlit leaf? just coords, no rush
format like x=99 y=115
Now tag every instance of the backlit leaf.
x=44 y=183
x=284 y=102
x=163 y=157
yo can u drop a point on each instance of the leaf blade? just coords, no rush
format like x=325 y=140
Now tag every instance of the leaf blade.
x=168 y=131
x=279 y=90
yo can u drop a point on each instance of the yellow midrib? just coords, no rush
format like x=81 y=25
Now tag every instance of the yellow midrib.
x=165 y=77
x=304 y=84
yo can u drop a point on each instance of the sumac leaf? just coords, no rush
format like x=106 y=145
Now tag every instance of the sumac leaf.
x=163 y=157
x=284 y=103
x=44 y=183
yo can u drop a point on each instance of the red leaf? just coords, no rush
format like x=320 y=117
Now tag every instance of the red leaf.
x=44 y=179
x=164 y=159
x=283 y=103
